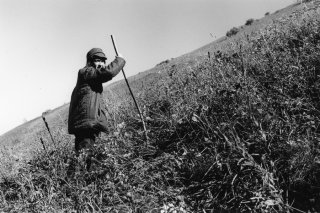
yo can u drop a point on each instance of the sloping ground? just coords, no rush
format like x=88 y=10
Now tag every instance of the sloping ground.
x=238 y=132
x=17 y=144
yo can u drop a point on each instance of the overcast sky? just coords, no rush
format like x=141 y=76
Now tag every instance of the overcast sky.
x=43 y=43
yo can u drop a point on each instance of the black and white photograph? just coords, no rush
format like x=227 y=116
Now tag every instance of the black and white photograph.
x=160 y=106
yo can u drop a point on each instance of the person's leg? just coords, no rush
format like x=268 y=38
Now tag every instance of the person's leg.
x=85 y=142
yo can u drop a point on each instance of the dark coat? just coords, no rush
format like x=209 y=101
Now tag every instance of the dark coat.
x=86 y=113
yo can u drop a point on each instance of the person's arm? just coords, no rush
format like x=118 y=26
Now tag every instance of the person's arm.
x=105 y=73
x=115 y=66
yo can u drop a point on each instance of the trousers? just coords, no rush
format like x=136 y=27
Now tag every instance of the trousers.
x=85 y=142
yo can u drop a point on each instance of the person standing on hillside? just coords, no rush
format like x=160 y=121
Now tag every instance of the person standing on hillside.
x=86 y=116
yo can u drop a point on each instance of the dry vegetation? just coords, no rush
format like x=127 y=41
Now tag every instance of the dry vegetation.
x=237 y=131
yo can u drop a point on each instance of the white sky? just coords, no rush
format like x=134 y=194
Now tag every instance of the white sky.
x=43 y=43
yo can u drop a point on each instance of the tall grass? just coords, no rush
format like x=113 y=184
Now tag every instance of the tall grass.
x=238 y=132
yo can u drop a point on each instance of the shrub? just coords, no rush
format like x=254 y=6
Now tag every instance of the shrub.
x=163 y=62
x=233 y=31
x=249 y=21
x=267 y=13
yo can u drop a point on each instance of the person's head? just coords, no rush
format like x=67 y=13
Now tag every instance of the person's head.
x=96 y=58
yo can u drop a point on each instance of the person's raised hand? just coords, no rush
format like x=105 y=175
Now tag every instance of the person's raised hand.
x=120 y=55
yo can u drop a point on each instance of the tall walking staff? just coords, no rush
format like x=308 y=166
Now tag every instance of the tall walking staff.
x=135 y=102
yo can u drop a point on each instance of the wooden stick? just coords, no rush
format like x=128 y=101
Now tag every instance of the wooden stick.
x=135 y=102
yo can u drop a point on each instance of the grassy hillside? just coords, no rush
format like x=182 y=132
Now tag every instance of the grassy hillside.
x=17 y=144
x=235 y=130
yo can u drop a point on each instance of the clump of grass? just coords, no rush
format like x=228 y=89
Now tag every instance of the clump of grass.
x=237 y=132
x=246 y=125
x=121 y=178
